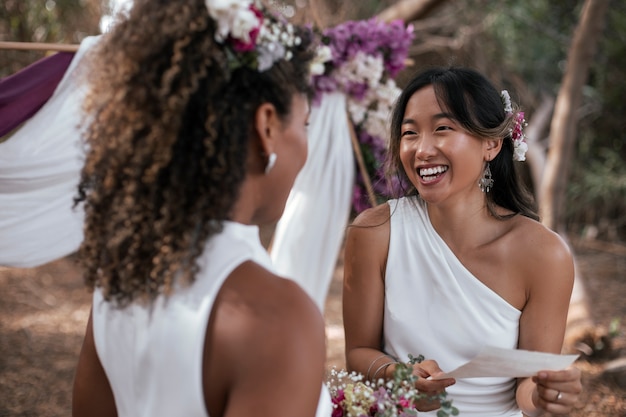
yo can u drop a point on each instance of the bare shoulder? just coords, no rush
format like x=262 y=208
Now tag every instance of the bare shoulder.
x=371 y=225
x=367 y=237
x=539 y=251
x=261 y=308
x=373 y=217
x=367 y=246
x=264 y=337
x=534 y=238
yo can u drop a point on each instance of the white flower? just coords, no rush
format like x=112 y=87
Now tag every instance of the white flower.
x=377 y=123
x=506 y=100
x=388 y=93
x=373 y=110
x=362 y=68
x=268 y=54
x=357 y=111
x=519 y=150
x=323 y=54
x=233 y=17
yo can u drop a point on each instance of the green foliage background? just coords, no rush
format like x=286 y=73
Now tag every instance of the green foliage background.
x=533 y=38
x=49 y=21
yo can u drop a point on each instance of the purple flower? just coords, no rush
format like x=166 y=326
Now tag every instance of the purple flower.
x=360 y=199
x=357 y=90
x=389 y=41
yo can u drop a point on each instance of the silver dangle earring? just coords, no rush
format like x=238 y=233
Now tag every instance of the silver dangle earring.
x=271 y=161
x=486 y=182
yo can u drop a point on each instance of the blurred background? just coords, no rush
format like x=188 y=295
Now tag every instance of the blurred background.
x=521 y=46
x=526 y=47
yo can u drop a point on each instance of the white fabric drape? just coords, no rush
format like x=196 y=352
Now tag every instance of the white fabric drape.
x=41 y=162
x=39 y=171
x=309 y=235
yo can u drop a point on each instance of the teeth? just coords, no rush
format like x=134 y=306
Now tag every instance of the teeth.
x=424 y=172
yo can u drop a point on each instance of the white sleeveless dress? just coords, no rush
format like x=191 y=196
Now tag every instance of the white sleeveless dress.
x=435 y=307
x=153 y=356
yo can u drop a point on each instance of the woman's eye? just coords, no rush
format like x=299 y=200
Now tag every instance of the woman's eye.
x=440 y=128
x=408 y=133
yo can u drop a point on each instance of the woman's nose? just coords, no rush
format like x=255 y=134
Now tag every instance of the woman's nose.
x=425 y=147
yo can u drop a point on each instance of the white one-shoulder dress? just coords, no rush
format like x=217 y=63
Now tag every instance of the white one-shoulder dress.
x=152 y=356
x=435 y=307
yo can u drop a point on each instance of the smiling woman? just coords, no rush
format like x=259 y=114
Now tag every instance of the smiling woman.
x=475 y=112
x=432 y=140
x=445 y=266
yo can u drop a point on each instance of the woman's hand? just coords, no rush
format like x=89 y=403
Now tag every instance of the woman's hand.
x=429 y=387
x=557 y=391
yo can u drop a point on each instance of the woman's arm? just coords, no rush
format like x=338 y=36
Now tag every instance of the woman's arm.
x=367 y=244
x=92 y=395
x=365 y=259
x=549 y=280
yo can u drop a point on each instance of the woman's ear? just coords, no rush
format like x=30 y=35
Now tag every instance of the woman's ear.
x=267 y=126
x=492 y=148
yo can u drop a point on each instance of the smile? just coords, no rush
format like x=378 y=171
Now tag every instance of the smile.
x=430 y=174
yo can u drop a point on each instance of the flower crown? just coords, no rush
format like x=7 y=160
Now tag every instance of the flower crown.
x=253 y=38
x=517 y=131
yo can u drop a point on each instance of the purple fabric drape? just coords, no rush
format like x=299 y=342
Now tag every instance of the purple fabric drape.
x=23 y=93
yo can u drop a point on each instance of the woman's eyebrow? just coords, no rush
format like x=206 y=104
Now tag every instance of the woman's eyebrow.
x=442 y=116
x=437 y=116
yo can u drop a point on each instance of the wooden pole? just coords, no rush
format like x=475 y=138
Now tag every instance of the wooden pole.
x=361 y=163
x=38 y=46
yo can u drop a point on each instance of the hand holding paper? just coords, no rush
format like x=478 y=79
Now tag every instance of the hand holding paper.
x=514 y=363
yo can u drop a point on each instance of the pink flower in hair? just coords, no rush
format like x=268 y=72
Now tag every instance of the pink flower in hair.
x=241 y=45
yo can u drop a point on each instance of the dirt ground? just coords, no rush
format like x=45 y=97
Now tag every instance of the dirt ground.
x=43 y=312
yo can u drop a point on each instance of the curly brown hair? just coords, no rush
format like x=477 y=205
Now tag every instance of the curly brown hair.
x=166 y=136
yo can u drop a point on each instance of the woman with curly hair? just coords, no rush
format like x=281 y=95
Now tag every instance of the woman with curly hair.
x=196 y=129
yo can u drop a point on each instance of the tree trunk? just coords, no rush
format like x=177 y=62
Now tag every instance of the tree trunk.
x=537 y=128
x=552 y=191
x=409 y=10
x=563 y=128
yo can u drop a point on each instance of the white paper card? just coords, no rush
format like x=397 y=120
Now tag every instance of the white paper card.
x=514 y=363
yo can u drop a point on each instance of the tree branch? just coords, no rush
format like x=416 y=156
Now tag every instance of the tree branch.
x=409 y=10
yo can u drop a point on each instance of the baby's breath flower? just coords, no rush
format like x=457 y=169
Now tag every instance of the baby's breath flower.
x=351 y=397
x=255 y=39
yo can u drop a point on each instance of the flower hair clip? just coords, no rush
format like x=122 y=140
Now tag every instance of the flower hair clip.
x=517 y=131
x=253 y=38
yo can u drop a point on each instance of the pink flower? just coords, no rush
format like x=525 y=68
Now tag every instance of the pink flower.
x=405 y=403
x=517 y=133
x=337 y=401
x=337 y=411
x=239 y=45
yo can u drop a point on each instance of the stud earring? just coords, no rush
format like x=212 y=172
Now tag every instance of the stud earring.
x=271 y=161
x=486 y=182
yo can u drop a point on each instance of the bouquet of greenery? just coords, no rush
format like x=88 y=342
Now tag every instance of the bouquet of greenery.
x=354 y=397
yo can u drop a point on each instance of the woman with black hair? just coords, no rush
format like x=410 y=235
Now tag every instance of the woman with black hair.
x=459 y=262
